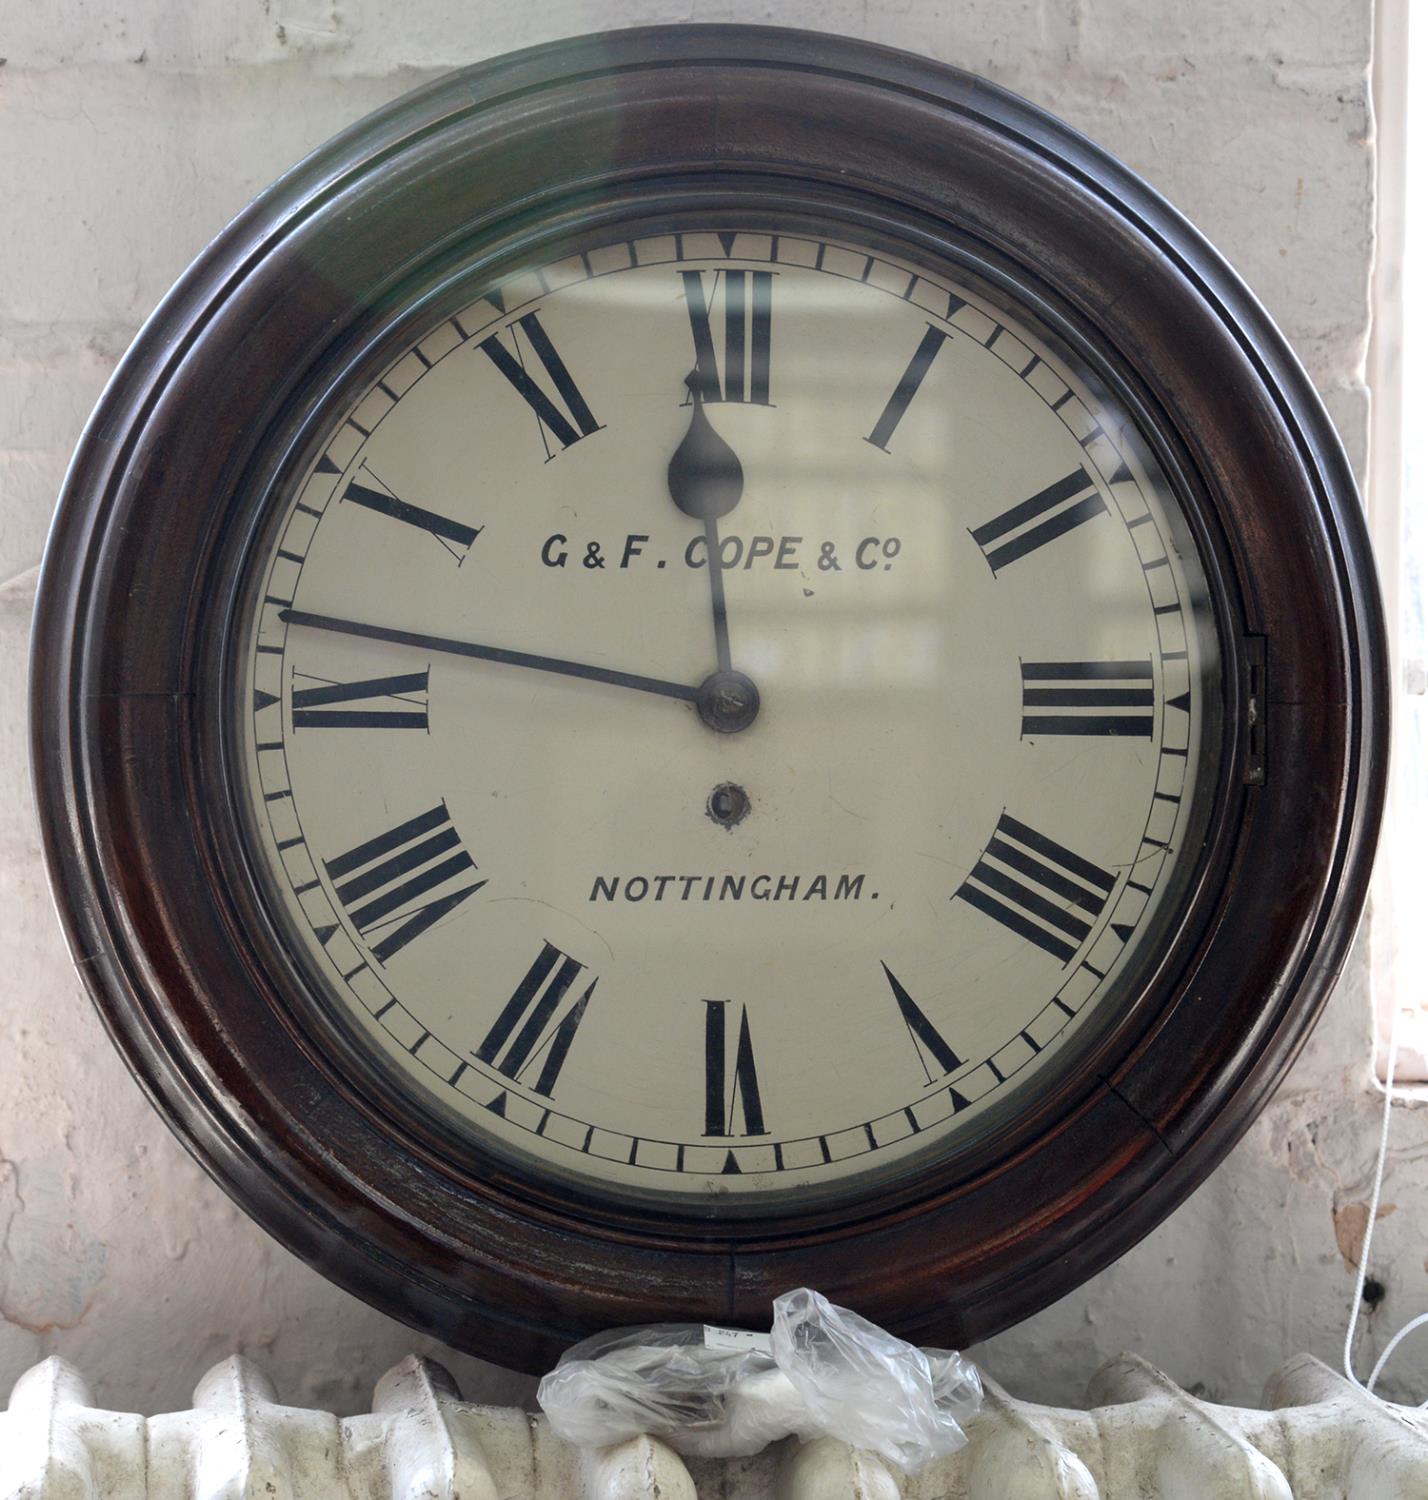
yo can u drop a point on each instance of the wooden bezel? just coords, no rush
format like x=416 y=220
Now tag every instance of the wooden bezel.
x=210 y=409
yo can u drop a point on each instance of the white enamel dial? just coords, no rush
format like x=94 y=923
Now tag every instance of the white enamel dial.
x=747 y=880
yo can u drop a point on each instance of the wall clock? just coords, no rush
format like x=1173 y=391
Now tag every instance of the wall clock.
x=706 y=659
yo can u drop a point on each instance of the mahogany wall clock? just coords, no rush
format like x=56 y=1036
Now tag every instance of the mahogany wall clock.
x=706 y=659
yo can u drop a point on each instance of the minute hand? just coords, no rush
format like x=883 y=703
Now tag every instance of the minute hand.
x=490 y=653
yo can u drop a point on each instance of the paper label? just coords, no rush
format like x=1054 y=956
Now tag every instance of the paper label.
x=737 y=1339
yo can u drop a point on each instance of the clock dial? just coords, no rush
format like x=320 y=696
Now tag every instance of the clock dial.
x=741 y=879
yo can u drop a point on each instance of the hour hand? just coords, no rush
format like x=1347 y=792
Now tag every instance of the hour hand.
x=706 y=481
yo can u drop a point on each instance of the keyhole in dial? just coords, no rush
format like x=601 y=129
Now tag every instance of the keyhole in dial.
x=728 y=804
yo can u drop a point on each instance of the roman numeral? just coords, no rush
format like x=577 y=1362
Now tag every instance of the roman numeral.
x=1037 y=888
x=567 y=426
x=723 y=1100
x=1050 y=513
x=384 y=883
x=1088 y=697
x=367 y=490
x=748 y=323
x=907 y=387
x=533 y=1007
x=927 y=1041
x=405 y=696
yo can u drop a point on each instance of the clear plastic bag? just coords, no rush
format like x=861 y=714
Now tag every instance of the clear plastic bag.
x=722 y=1393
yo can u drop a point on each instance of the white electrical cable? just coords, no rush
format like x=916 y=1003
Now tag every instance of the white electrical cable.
x=1378 y=1176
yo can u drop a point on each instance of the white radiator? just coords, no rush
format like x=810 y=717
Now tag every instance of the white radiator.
x=1144 y=1439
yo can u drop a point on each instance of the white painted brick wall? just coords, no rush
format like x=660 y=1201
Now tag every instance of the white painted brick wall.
x=129 y=133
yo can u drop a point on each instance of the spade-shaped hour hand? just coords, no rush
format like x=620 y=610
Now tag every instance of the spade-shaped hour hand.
x=706 y=481
x=706 y=478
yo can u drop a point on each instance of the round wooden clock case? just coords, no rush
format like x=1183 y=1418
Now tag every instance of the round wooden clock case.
x=1036 y=540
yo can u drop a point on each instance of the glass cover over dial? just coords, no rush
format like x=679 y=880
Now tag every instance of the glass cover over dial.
x=727 y=713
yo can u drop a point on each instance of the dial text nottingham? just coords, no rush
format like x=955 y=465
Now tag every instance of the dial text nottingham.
x=729 y=888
